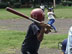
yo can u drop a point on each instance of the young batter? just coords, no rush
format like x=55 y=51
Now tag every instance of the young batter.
x=34 y=34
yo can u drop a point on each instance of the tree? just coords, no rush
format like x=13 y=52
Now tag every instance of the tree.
x=54 y=3
x=5 y=0
x=0 y=1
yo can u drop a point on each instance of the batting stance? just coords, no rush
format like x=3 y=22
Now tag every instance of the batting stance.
x=69 y=42
x=34 y=34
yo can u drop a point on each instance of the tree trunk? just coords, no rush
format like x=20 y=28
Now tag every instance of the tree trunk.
x=0 y=1
x=54 y=3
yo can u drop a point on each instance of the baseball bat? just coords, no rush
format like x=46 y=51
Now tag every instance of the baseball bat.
x=24 y=16
x=21 y=14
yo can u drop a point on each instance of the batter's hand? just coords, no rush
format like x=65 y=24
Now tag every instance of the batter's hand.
x=47 y=27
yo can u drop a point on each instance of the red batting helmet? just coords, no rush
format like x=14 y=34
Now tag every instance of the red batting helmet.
x=37 y=14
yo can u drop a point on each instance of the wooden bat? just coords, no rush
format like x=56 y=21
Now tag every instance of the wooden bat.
x=21 y=14
x=24 y=16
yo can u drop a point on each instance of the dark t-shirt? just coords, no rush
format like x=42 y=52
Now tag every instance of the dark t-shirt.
x=31 y=42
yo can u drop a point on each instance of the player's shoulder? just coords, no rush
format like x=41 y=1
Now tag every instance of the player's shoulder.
x=50 y=12
x=33 y=25
x=71 y=28
x=64 y=42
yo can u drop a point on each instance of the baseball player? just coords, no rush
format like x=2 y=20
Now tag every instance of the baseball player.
x=52 y=9
x=34 y=34
x=69 y=42
x=42 y=7
x=51 y=18
x=64 y=44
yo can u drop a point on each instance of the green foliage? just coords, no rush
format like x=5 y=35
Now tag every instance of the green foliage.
x=67 y=3
x=5 y=0
x=17 y=5
x=3 y=5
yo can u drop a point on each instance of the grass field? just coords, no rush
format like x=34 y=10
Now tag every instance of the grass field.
x=60 y=13
x=13 y=40
x=7 y=15
x=10 y=39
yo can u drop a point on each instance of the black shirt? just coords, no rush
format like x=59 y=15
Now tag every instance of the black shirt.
x=31 y=43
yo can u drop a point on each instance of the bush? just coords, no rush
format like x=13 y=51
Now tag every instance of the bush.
x=17 y=5
x=64 y=3
x=67 y=3
x=3 y=5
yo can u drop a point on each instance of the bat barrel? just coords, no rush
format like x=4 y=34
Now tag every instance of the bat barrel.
x=20 y=14
x=16 y=12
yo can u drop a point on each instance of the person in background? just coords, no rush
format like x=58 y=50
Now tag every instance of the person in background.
x=42 y=7
x=51 y=18
x=64 y=44
x=69 y=42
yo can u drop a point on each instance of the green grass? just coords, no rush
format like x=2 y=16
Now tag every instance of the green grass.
x=51 y=40
x=13 y=40
x=61 y=12
x=7 y=15
x=10 y=39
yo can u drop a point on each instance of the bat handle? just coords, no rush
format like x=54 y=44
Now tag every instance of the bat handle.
x=48 y=29
x=33 y=20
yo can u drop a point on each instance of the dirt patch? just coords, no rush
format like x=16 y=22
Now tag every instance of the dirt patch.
x=62 y=26
x=41 y=51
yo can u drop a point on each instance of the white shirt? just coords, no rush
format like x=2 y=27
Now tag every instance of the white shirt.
x=50 y=15
x=69 y=42
x=42 y=7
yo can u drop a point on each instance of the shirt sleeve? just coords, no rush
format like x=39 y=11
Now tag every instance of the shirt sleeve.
x=50 y=13
x=35 y=29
